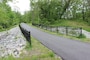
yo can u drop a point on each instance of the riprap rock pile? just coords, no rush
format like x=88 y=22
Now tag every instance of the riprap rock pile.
x=11 y=42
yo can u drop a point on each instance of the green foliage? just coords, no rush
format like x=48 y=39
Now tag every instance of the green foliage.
x=46 y=12
x=10 y=18
x=10 y=57
x=82 y=36
x=72 y=23
x=28 y=47
x=26 y=17
x=54 y=10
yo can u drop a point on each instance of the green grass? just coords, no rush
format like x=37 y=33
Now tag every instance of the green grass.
x=72 y=23
x=36 y=52
x=5 y=29
x=80 y=38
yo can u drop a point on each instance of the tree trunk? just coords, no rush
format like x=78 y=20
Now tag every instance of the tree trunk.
x=65 y=8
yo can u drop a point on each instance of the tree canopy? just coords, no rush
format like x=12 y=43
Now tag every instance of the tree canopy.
x=48 y=11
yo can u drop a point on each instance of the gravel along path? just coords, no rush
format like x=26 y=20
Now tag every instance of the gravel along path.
x=11 y=42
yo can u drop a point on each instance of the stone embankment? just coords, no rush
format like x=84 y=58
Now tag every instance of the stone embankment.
x=86 y=33
x=11 y=42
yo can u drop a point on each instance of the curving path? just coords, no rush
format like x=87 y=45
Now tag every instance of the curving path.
x=67 y=49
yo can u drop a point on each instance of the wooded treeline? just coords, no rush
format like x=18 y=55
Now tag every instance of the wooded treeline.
x=46 y=12
x=8 y=17
x=49 y=11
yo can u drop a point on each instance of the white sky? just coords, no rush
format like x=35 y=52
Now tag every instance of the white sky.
x=20 y=5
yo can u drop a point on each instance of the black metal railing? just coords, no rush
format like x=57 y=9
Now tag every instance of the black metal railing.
x=26 y=32
x=67 y=30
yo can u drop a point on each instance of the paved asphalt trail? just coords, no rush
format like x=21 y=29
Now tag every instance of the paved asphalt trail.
x=67 y=49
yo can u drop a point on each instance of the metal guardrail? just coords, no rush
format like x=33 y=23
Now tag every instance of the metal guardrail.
x=25 y=31
x=72 y=31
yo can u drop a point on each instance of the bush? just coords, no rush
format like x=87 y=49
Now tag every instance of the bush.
x=82 y=36
x=1 y=28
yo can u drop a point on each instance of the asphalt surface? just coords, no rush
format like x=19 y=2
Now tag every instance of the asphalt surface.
x=67 y=49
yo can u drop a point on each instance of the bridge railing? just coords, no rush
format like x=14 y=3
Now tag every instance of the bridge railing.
x=67 y=30
x=26 y=32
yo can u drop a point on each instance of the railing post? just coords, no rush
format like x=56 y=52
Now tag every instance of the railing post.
x=30 y=38
x=51 y=28
x=57 y=29
x=66 y=30
x=81 y=31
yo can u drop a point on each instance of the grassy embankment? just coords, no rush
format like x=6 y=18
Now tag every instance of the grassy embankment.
x=5 y=29
x=36 y=52
x=72 y=23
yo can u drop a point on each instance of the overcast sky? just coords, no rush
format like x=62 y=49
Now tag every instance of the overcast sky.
x=20 y=5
